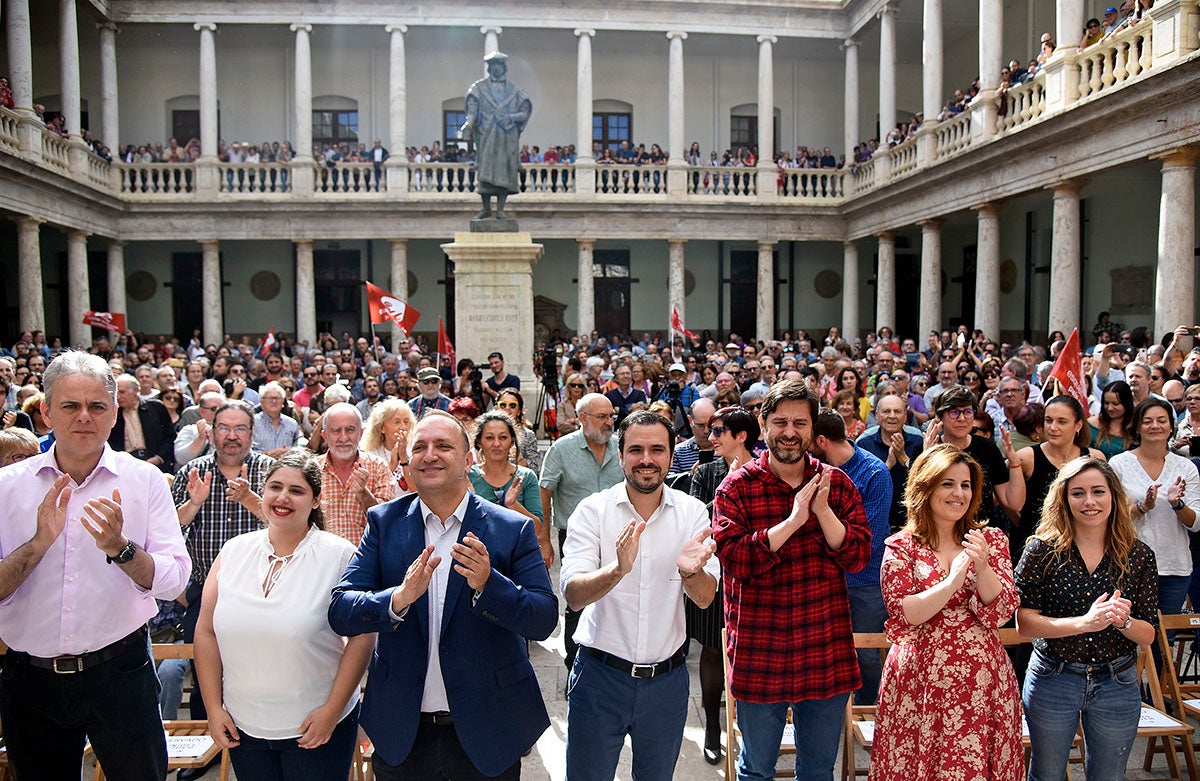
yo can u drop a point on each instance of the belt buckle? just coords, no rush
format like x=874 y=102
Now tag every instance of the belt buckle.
x=76 y=665
x=643 y=670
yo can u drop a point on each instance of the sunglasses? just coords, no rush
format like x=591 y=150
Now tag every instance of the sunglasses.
x=717 y=431
x=576 y=385
x=508 y=405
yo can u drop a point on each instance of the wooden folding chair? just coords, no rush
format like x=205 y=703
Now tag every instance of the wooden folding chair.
x=1155 y=724
x=733 y=735
x=859 y=727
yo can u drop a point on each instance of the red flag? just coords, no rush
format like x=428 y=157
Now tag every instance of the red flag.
x=268 y=342
x=677 y=325
x=385 y=308
x=1068 y=370
x=110 y=321
x=444 y=346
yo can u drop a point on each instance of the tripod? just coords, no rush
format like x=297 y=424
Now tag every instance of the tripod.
x=547 y=400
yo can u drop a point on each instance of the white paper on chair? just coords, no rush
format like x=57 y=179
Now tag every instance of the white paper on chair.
x=1152 y=719
x=789 y=735
x=185 y=746
x=867 y=730
x=1195 y=704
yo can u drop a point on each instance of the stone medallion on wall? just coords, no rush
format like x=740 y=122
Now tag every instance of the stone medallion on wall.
x=412 y=284
x=141 y=285
x=1008 y=276
x=828 y=283
x=265 y=285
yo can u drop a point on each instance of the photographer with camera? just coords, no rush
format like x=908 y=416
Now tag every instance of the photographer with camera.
x=468 y=383
x=680 y=395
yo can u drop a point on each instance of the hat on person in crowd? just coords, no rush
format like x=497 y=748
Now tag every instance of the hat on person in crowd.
x=428 y=373
x=1109 y=10
x=732 y=346
x=676 y=367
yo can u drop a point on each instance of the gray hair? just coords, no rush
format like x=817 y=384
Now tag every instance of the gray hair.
x=337 y=393
x=830 y=352
x=79 y=362
x=272 y=386
x=128 y=379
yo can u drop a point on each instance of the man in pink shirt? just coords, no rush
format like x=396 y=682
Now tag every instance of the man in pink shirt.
x=89 y=541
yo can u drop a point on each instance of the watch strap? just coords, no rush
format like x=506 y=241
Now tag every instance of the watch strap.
x=125 y=555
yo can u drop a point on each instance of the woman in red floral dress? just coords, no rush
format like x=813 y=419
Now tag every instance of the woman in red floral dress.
x=949 y=709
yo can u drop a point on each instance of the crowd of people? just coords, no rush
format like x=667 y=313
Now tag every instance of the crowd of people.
x=933 y=492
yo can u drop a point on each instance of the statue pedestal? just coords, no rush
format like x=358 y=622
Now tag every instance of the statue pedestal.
x=493 y=300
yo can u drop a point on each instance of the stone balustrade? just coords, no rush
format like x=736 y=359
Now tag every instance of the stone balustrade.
x=1169 y=34
x=10 y=141
x=1109 y=63
x=55 y=152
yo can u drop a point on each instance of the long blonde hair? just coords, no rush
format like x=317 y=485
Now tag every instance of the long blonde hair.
x=1057 y=529
x=927 y=471
x=372 y=436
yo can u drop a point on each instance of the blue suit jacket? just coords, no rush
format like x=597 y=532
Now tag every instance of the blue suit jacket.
x=490 y=684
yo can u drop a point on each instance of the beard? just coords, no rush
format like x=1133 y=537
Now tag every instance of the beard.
x=787 y=453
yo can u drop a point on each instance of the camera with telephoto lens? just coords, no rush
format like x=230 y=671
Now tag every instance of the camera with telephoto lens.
x=550 y=368
x=476 y=376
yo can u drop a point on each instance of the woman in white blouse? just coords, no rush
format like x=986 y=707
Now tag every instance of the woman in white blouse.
x=1164 y=489
x=286 y=684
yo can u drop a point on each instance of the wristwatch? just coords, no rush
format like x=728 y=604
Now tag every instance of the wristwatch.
x=1128 y=622
x=125 y=555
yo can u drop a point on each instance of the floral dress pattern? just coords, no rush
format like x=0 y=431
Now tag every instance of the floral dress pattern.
x=949 y=709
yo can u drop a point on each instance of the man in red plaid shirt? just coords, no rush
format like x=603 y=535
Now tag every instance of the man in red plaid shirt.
x=788 y=528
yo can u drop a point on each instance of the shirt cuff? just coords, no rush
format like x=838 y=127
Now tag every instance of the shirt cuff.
x=397 y=617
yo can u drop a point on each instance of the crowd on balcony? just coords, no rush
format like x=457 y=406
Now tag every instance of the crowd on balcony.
x=882 y=428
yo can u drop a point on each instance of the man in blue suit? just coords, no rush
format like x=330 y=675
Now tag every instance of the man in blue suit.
x=454 y=586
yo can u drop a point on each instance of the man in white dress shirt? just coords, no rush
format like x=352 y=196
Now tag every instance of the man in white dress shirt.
x=632 y=553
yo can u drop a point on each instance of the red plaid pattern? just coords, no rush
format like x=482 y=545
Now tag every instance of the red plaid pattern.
x=786 y=612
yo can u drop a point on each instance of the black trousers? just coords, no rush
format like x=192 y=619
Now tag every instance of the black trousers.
x=437 y=755
x=570 y=617
x=48 y=717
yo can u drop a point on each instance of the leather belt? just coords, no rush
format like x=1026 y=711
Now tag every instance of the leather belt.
x=68 y=665
x=637 y=670
x=1097 y=670
x=440 y=718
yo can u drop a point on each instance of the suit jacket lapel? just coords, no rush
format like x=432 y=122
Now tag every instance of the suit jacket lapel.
x=456 y=584
x=412 y=542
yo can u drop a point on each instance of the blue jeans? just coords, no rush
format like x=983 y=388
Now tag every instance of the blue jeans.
x=867 y=614
x=818 y=737
x=604 y=705
x=171 y=673
x=284 y=760
x=1054 y=697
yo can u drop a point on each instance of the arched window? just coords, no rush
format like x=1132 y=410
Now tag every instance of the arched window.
x=334 y=120
x=612 y=123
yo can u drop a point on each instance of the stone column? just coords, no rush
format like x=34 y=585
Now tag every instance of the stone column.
x=765 y=321
x=68 y=57
x=887 y=74
x=1069 y=18
x=491 y=39
x=116 y=277
x=29 y=273
x=987 y=271
x=885 y=283
x=306 y=293
x=493 y=283
x=850 y=290
x=991 y=55
x=851 y=136
x=78 y=295
x=931 y=277
x=206 y=165
x=109 y=108
x=398 y=284
x=1064 y=259
x=1175 y=303
x=768 y=176
x=20 y=58
x=887 y=92
x=676 y=293
x=931 y=80
x=397 y=163
x=302 y=163
x=211 y=293
x=585 y=164
x=586 y=291
x=676 y=165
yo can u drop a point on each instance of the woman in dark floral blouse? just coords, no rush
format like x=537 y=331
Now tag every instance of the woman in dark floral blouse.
x=1089 y=592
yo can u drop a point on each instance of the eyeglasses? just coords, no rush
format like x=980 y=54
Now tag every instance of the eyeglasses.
x=960 y=412
x=310 y=374
x=717 y=431
x=1009 y=391
x=431 y=381
x=508 y=405
x=752 y=407
x=613 y=416
x=576 y=385
x=209 y=409
x=241 y=431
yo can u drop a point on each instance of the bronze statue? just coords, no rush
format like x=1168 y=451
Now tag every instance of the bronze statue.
x=497 y=112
